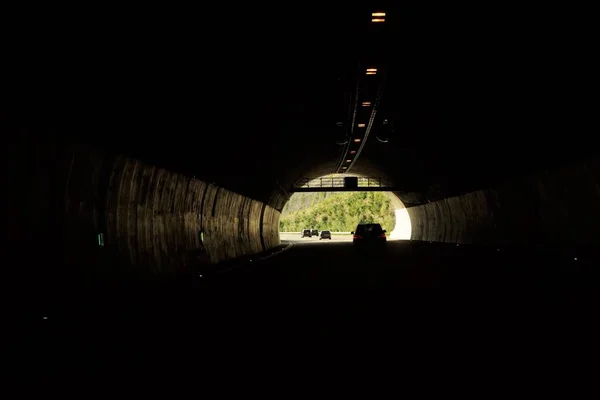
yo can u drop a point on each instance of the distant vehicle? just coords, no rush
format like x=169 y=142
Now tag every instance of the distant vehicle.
x=325 y=235
x=369 y=236
x=306 y=233
x=314 y=232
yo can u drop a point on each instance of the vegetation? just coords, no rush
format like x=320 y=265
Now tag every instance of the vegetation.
x=302 y=201
x=337 y=212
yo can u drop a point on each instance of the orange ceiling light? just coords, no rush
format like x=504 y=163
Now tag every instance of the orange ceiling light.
x=348 y=160
x=371 y=71
x=366 y=104
x=361 y=125
x=378 y=17
x=356 y=140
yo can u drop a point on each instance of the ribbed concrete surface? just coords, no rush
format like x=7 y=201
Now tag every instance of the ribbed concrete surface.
x=556 y=206
x=270 y=227
x=152 y=217
x=231 y=225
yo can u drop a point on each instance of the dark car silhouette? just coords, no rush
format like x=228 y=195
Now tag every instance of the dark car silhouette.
x=369 y=236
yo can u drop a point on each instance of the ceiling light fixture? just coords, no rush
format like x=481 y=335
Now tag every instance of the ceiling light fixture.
x=378 y=17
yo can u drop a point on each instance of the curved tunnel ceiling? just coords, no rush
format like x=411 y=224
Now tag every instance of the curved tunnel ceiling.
x=253 y=103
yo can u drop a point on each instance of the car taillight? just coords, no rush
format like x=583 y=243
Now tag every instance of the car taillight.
x=382 y=235
x=357 y=237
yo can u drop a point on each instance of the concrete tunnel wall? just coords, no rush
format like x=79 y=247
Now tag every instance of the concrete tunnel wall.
x=559 y=206
x=59 y=199
x=151 y=218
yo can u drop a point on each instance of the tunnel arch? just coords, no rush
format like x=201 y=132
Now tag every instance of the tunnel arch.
x=147 y=225
x=316 y=166
x=402 y=226
x=452 y=189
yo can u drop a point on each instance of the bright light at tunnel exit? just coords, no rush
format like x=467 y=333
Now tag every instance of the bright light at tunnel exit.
x=403 y=226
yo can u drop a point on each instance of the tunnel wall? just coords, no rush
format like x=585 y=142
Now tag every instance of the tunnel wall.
x=152 y=218
x=559 y=206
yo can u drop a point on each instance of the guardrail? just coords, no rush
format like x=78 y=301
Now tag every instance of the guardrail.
x=339 y=182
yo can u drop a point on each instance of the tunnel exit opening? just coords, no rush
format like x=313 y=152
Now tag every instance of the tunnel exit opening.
x=331 y=205
x=402 y=227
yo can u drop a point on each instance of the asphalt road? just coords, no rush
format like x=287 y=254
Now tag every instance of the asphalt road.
x=297 y=238
x=315 y=297
x=314 y=263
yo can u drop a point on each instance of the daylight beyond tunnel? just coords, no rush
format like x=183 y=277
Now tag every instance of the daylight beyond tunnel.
x=341 y=211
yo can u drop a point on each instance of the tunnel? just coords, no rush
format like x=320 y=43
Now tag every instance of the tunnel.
x=399 y=229
x=148 y=153
x=144 y=158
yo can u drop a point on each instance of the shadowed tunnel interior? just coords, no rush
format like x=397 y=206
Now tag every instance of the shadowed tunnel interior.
x=489 y=140
x=154 y=149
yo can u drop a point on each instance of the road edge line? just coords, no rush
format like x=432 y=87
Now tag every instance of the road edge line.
x=289 y=246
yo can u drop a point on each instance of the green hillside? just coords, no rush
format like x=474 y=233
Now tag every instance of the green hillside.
x=301 y=201
x=337 y=212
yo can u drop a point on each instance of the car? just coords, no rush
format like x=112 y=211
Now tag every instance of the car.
x=325 y=235
x=369 y=236
x=314 y=232
x=306 y=233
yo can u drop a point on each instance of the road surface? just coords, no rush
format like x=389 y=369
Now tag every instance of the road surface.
x=297 y=238
x=315 y=296
x=314 y=263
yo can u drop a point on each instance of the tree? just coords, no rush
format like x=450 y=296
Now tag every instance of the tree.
x=338 y=211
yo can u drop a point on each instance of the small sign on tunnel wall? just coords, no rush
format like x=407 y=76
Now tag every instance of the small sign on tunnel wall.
x=101 y=239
